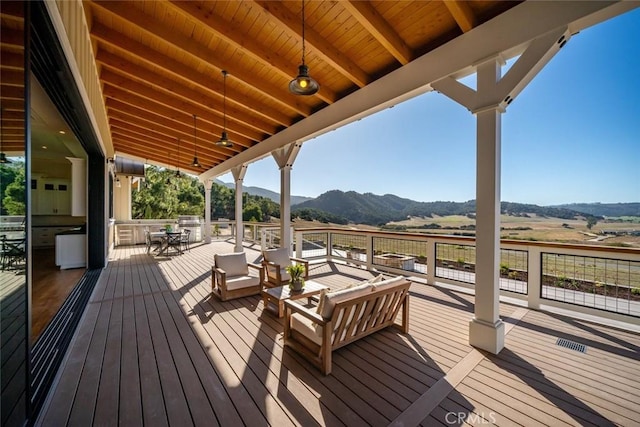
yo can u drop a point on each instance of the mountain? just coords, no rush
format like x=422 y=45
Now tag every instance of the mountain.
x=373 y=209
x=263 y=192
x=604 y=209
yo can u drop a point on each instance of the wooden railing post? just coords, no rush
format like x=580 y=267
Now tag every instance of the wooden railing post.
x=431 y=261
x=299 y=237
x=369 y=253
x=534 y=274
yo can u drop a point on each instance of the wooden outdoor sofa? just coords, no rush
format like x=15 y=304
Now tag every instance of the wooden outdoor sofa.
x=345 y=316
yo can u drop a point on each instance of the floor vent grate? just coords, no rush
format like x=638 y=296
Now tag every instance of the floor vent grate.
x=571 y=345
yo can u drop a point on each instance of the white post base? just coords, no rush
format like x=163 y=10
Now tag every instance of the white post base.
x=487 y=336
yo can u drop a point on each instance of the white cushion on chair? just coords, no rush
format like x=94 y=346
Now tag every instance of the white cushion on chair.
x=385 y=284
x=240 y=282
x=332 y=298
x=234 y=264
x=278 y=256
x=306 y=327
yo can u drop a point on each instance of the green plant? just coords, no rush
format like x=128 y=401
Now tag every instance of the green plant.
x=168 y=227
x=296 y=273
x=216 y=230
x=460 y=260
x=635 y=291
x=504 y=268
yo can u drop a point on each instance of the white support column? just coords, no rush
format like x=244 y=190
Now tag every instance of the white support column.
x=285 y=207
x=207 y=210
x=122 y=198
x=285 y=157
x=486 y=330
x=238 y=176
x=488 y=102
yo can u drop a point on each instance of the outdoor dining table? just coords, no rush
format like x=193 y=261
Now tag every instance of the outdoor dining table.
x=167 y=239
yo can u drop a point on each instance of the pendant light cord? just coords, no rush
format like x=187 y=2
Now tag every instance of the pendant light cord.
x=303 y=47
x=195 y=139
x=224 y=100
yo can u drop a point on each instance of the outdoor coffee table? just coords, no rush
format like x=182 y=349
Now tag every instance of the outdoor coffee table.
x=279 y=294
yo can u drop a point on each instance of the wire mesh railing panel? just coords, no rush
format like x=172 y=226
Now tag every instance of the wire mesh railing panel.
x=272 y=237
x=456 y=262
x=602 y=283
x=402 y=254
x=315 y=245
x=514 y=270
x=349 y=246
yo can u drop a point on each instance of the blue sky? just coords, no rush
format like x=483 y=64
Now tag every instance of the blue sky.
x=572 y=135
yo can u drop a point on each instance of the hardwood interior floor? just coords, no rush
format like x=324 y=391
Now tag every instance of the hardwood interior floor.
x=51 y=286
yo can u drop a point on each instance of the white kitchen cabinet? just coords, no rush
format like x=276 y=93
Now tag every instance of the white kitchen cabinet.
x=71 y=251
x=54 y=197
x=45 y=237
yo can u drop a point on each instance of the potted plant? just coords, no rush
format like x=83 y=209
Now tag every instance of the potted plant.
x=296 y=272
x=168 y=228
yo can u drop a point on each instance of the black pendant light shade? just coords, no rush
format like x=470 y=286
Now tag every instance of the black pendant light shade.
x=195 y=162
x=3 y=158
x=303 y=84
x=224 y=139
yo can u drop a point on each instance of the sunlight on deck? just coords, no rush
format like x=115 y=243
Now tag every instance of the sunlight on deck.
x=154 y=347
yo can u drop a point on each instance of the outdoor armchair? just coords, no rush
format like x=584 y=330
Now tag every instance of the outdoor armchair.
x=232 y=278
x=275 y=262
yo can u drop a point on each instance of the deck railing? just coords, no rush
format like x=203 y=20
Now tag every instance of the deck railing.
x=600 y=280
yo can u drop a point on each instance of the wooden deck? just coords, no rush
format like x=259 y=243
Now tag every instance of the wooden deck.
x=154 y=348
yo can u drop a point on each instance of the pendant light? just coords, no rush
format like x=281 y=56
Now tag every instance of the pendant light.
x=168 y=181
x=224 y=139
x=195 y=162
x=303 y=84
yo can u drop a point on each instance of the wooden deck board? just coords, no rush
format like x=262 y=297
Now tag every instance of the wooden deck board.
x=154 y=347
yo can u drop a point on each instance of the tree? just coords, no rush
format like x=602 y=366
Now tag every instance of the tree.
x=13 y=202
x=591 y=221
x=165 y=195
x=252 y=212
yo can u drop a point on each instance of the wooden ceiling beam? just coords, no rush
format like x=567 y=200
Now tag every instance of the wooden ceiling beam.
x=206 y=132
x=321 y=48
x=151 y=26
x=12 y=77
x=144 y=157
x=12 y=60
x=169 y=65
x=11 y=38
x=186 y=131
x=462 y=13
x=247 y=45
x=156 y=96
x=172 y=133
x=11 y=92
x=121 y=97
x=158 y=152
x=157 y=130
x=171 y=87
x=169 y=143
x=379 y=28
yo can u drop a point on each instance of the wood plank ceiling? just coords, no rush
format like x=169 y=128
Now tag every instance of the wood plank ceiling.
x=160 y=64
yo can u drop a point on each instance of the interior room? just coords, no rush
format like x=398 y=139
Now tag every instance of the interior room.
x=58 y=197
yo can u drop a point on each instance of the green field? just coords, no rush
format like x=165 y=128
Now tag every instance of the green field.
x=536 y=229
